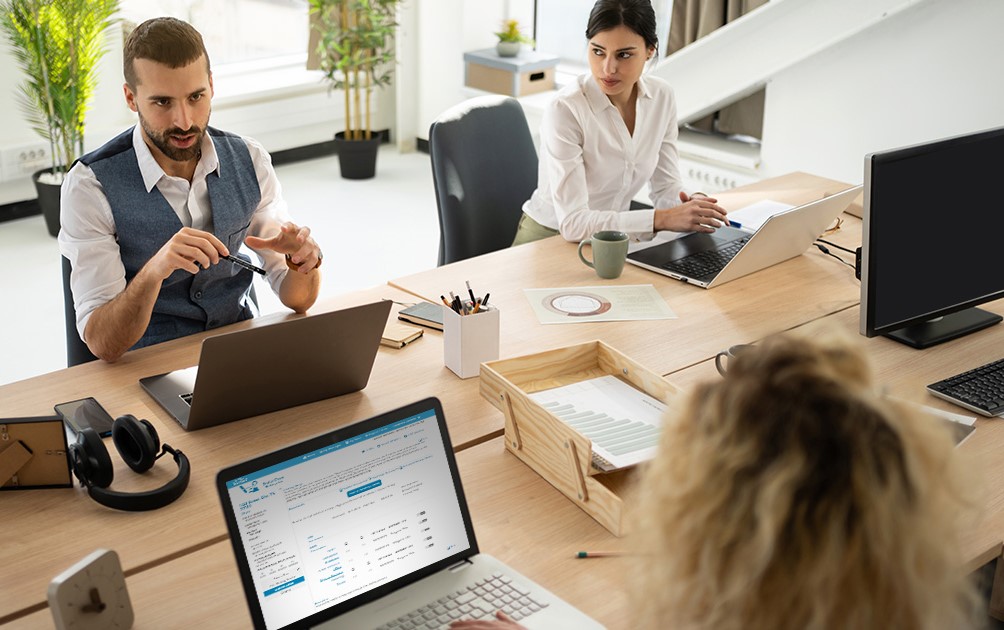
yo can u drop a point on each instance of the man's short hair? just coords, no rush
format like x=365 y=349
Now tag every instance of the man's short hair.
x=166 y=40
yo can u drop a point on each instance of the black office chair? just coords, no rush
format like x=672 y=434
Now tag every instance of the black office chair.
x=77 y=351
x=484 y=166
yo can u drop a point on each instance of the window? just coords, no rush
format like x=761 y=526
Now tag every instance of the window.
x=238 y=33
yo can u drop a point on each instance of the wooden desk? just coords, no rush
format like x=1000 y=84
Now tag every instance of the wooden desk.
x=179 y=564
x=55 y=527
x=518 y=518
x=799 y=290
x=905 y=372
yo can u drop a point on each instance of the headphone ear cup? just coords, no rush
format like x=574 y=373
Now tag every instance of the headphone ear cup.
x=90 y=460
x=136 y=442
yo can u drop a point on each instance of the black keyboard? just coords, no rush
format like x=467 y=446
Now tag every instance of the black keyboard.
x=980 y=390
x=708 y=262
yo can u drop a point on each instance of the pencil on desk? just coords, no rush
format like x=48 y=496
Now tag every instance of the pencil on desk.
x=600 y=554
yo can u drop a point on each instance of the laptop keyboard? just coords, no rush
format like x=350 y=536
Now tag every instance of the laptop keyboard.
x=980 y=389
x=707 y=262
x=187 y=398
x=478 y=601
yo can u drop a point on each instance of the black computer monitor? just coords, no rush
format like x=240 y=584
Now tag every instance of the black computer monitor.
x=933 y=241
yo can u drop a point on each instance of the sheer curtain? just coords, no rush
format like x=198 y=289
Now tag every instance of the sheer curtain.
x=692 y=20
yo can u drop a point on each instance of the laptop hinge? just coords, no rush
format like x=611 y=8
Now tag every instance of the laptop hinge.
x=463 y=564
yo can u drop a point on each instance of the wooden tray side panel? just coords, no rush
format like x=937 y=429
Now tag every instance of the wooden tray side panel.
x=614 y=362
x=563 y=457
x=547 y=365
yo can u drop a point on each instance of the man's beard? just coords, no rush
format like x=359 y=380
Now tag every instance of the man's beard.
x=162 y=142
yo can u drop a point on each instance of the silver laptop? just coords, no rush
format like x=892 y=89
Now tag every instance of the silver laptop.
x=709 y=260
x=258 y=370
x=367 y=527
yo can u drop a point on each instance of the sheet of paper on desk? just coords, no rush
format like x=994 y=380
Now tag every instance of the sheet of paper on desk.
x=616 y=303
x=754 y=215
x=623 y=422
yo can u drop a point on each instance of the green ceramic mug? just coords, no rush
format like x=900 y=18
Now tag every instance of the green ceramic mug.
x=610 y=249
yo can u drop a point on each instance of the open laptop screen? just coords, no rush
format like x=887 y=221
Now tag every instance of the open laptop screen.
x=337 y=521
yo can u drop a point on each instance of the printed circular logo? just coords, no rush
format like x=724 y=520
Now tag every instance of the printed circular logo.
x=576 y=304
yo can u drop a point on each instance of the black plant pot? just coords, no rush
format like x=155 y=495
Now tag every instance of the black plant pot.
x=357 y=158
x=48 y=200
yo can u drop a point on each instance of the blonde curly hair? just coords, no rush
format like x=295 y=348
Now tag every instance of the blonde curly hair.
x=791 y=495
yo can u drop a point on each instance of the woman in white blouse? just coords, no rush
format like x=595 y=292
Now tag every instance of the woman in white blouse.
x=609 y=133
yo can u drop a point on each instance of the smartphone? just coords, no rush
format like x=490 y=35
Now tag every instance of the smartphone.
x=85 y=413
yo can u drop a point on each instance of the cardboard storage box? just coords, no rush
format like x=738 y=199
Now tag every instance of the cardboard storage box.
x=529 y=73
x=559 y=453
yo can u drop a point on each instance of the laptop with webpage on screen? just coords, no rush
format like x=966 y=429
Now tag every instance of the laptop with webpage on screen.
x=709 y=260
x=367 y=527
x=267 y=368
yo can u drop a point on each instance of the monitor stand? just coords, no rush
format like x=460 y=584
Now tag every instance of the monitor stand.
x=945 y=328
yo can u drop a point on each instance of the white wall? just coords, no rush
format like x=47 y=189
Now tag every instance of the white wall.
x=444 y=30
x=928 y=72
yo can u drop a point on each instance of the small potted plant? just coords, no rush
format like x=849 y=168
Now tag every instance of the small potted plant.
x=58 y=46
x=511 y=40
x=356 y=54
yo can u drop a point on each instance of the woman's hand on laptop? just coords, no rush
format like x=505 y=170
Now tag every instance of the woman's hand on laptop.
x=501 y=622
x=695 y=214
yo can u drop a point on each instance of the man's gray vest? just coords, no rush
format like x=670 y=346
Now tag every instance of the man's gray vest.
x=145 y=221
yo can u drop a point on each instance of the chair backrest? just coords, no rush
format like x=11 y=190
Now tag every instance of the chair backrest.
x=77 y=351
x=484 y=166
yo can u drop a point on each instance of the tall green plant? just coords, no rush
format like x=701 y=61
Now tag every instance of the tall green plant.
x=57 y=44
x=356 y=51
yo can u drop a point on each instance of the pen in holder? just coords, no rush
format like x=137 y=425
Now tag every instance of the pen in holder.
x=470 y=340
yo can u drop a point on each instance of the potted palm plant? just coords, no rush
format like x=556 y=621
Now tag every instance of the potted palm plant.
x=57 y=44
x=355 y=49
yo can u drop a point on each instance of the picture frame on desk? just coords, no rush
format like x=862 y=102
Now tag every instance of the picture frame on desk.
x=34 y=453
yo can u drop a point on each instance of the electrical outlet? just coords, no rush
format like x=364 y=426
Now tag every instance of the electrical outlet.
x=22 y=161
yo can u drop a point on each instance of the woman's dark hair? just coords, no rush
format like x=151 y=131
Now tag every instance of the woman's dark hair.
x=637 y=15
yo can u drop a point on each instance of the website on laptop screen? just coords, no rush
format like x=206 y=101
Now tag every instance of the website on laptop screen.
x=334 y=523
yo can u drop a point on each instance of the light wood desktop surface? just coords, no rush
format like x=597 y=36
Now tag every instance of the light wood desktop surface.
x=158 y=549
x=789 y=294
x=518 y=517
x=54 y=527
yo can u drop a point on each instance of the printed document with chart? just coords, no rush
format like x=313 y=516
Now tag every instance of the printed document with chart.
x=623 y=423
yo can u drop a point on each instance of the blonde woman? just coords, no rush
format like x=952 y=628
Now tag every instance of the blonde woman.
x=791 y=495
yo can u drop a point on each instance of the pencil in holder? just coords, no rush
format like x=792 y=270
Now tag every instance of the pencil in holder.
x=470 y=340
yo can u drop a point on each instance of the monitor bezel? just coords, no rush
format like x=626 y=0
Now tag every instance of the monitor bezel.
x=311 y=444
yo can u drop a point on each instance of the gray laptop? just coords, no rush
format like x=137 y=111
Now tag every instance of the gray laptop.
x=709 y=260
x=367 y=527
x=258 y=370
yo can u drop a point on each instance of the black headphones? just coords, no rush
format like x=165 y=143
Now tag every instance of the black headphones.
x=138 y=445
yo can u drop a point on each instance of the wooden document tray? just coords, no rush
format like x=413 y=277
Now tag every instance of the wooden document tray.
x=559 y=453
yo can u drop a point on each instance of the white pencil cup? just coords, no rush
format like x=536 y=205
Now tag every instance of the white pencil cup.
x=470 y=340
